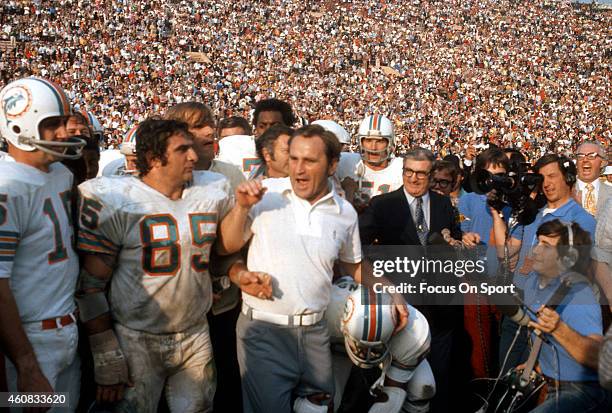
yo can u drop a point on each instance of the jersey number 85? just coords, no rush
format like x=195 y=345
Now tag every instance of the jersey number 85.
x=160 y=238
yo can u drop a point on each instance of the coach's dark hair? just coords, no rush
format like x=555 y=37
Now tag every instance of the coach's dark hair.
x=581 y=242
x=333 y=147
x=274 y=105
x=152 y=142
x=492 y=157
x=235 y=122
x=267 y=139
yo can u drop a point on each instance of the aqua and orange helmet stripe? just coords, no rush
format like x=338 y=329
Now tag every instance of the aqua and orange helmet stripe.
x=59 y=94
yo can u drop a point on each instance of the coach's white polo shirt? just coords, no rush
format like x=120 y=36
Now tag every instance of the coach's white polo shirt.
x=297 y=244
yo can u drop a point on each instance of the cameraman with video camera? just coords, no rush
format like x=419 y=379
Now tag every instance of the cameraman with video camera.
x=558 y=178
x=566 y=320
x=477 y=219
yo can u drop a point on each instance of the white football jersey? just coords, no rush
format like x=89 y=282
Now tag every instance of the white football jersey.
x=161 y=283
x=107 y=157
x=36 y=239
x=115 y=168
x=239 y=150
x=3 y=155
x=372 y=182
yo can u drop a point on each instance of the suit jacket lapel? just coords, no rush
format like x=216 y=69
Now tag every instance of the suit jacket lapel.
x=605 y=192
x=435 y=212
x=409 y=234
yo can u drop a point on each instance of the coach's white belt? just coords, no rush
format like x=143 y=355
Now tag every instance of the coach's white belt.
x=308 y=319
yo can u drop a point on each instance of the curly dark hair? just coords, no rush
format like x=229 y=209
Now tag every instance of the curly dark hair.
x=152 y=138
x=274 y=105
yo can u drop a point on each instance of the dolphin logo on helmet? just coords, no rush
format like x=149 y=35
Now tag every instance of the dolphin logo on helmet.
x=25 y=104
x=367 y=325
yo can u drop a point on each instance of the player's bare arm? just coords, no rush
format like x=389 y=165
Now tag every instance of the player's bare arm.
x=110 y=365
x=232 y=228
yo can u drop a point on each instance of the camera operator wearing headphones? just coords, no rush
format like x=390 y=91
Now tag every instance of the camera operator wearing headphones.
x=477 y=220
x=559 y=177
x=571 y=323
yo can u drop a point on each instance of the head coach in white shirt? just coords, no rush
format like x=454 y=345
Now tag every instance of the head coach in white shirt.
x=299 y=229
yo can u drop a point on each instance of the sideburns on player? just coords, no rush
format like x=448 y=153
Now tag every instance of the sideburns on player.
x=150 y=237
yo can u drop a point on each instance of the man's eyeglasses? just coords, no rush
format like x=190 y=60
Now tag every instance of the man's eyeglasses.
x=442 y=183
x=419 y=174
x=591 y=156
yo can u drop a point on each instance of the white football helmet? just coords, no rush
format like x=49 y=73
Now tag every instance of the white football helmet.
x=377 y=127
x=25 y=103
x=128 y=144
x=341 y=133
x=128 y=148
x=96 y=127
x=367 y=324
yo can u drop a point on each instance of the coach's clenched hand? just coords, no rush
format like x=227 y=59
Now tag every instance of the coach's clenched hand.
x=249 y=193
x=257 y=284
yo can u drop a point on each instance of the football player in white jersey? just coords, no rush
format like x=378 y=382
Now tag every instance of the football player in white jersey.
x=85 y=167
x=149 y=236
x=239 y=150
x=91 y=153
x=361 y=324
x=125 y=164
x=377 y=171
x=38 y=265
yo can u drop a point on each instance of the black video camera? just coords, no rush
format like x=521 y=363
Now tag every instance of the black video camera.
x=513 y=188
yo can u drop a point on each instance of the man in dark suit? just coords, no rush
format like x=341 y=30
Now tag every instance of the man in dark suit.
x=412 y=215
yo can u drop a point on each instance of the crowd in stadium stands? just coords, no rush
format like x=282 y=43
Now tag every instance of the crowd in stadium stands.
x=534 y=75
x=470 y=92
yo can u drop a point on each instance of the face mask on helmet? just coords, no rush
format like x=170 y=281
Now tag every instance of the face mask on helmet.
x=367 y=325
x=365 y=355
x=30 y=105
x=376 y=127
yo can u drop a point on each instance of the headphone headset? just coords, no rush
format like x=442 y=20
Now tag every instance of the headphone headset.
x=571 y=256
x=568 y=168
